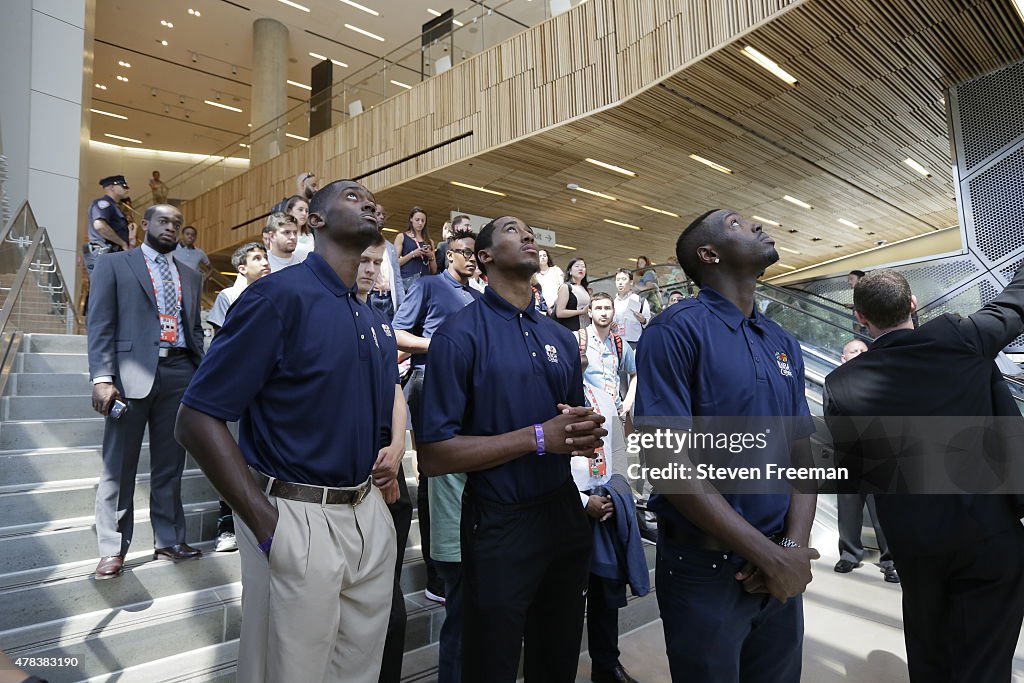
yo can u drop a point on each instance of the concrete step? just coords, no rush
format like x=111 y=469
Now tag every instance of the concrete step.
x=55 y=343
x=58 y=464
x=77 y=498
x=71 y=433
x=52 y=362
x=48 y=384
x=49 y=407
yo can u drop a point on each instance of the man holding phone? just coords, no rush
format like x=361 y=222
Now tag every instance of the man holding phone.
x=145 y=340
x=631 y=312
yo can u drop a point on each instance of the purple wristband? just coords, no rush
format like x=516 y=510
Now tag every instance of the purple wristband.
x=538 y=431
x=265 y=545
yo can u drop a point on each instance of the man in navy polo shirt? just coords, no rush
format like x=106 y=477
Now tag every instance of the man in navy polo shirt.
x=502 y=400
x=731 y=566
x=316 y=538
x=426 y=305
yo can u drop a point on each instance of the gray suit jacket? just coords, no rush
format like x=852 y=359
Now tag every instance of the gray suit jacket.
x=123 y=325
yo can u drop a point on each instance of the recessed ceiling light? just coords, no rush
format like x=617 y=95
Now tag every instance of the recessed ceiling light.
x=454 y=21
x=315 y=55
x=360 y=7
x=565 y=246
x=918 y=167
x=299 y=85
x=101 y=86
x=107 y=113
x=163 y=42
x=769 y=64
x=242 y=144
x=849 y=224
x=123 y=79
x=123 y=63
x=769 y=221
x=798 y=202
x=602 y=195
x=121 y=137
x=221 y=105
x=783 y=265
x=294 y=4
x=366 y=33
x=708 y=162
x=617 y=169
x=791 y=251
x=297 y=137
x=625 y=225
x=401 y=85
x=166 y=24
x=667 y=213
x=478 y=188
x=194 y=13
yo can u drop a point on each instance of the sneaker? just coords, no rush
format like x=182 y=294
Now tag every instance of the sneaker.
x=226 y=543
x=890 y=575
x=845 y=566
x=435 y=592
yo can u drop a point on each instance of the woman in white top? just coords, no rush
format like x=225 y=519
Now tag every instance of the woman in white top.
x=550 y=278
x=298 y=208
x=572 y=305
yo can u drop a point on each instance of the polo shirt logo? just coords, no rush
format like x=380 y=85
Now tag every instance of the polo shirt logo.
x=783 y=360
x=552 y=353
x=387 y=330
x=374 y=333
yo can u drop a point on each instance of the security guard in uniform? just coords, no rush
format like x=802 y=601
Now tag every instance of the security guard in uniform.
x=108 y=226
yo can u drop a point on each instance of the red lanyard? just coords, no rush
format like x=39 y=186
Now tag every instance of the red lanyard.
x=156 y=292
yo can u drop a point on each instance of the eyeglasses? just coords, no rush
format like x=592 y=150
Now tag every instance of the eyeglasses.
x=465 y=253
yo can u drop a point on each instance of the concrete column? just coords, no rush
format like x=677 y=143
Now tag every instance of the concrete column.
x=44 y=113
x=269 y=89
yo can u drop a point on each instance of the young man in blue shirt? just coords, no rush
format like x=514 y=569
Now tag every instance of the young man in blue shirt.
x=731 y=566
x=315 y=535
x=502 y=401
x=427 y=304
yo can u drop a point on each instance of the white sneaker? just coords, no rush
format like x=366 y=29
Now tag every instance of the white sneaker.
x=430 y=595
x=226 y=543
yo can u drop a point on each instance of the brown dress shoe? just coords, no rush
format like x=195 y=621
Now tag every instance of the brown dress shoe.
x=109 y=567
x=181 y=551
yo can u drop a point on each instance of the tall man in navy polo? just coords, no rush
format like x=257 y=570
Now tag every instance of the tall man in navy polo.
x=502 y=401
x=730 y=567
x=427 y=304
x=316 y=538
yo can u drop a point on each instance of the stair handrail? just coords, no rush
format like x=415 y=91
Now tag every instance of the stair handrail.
x=25 y=213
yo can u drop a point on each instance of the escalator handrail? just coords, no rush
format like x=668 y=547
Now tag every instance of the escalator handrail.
x=855 y=335
x=808 y=298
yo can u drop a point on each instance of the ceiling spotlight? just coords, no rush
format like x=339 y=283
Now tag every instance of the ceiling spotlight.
x=163 y=42
x=234 y=70
x=123 y=63
x=188 y=115
x=166 y=24
x=194 y=12
x=195 y=57
x=181 y=99
x=167 y=110
x=123 y=79
x=101 y=86
x=152 y=91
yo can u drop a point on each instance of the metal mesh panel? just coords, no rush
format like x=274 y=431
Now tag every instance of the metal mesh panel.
x=835 y=288
x=997 y=203
x=966 y=302
x=1007 y=272
x=932 y=280
x=990 y=114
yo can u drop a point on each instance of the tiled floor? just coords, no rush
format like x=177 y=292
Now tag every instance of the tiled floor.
x=853 y=631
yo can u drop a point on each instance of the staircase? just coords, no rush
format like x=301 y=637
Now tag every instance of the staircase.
x=159 y=621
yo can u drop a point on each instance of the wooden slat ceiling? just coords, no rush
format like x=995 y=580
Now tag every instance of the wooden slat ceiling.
x=871 y=76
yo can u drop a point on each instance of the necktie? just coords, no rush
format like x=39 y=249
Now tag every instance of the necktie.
x=169 y=294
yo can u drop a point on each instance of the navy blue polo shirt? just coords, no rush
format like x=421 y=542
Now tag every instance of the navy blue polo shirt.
x=298 y=360
x=703 y=357
x=389 y=358
x=493 y=369
x=108 y=210
x=428 y=304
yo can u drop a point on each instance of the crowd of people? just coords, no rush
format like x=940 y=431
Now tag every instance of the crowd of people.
x=521 y=387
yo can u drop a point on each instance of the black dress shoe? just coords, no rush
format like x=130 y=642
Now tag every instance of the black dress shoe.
x=845 y=566
x=181 y=551
x=109 y=567
x=616 y=675
x=890 y=575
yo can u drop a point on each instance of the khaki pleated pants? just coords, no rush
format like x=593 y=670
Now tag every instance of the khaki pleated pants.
x=318 y=609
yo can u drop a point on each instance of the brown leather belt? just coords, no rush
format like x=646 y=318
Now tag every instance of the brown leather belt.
x=695 y=538
x=306 y=493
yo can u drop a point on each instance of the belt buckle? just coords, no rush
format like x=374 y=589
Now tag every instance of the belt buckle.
x=164 y=352
x=361 y=494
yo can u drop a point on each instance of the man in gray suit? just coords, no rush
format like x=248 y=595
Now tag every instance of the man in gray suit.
x=145 y=342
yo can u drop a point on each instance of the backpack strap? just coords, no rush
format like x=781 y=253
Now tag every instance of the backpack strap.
x=618 y=346
x=583 y=341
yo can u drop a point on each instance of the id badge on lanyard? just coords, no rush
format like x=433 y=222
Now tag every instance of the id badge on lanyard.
x=168 y=321
x=596 y=466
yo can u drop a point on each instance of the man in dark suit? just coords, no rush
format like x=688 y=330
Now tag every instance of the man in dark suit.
x=145 y=341
x=960 y=555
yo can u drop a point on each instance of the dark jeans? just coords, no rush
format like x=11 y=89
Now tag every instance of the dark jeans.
x=383 y=303
x=602 y=625
x=449 y=650
x=394 y=641
x=413 y=390
x=962 y=611
x=715 y=632
x=526 y=567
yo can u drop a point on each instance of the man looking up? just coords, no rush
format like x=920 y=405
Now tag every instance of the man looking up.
x=316 y=539
x=735 y=560
x=502 y=400
x=281 y=235
x=428 y=303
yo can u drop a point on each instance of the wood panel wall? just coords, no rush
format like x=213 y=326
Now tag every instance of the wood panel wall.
x=596 y=55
